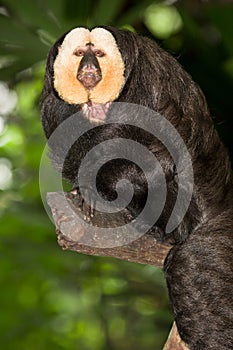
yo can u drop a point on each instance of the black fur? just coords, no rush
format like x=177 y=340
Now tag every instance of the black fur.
x=199 y=268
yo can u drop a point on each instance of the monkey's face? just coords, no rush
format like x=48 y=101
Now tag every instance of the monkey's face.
x=89 y=71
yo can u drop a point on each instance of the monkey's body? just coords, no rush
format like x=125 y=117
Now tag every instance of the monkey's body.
x=199 y=268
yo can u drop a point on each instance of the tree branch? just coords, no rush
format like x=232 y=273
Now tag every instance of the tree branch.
x=77 y=235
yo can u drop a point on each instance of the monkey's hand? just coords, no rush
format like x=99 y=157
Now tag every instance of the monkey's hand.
x=84 y=202
x=87 y=208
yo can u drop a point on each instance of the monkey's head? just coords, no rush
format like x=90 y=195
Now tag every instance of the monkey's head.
x=89 y=70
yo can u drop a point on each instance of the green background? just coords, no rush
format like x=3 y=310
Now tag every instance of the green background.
x=58 y=300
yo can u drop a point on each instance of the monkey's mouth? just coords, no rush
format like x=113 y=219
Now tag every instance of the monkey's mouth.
x=95 y=112
x=89 y=78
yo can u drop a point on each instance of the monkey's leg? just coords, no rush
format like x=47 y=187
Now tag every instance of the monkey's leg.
x=199 y=276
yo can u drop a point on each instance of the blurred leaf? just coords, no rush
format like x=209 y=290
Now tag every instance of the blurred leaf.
x=133 y=13
x=228 y=66
x=162 y=20
x=222 y=18
x=106 y=11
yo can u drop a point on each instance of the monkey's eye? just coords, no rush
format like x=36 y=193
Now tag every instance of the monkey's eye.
x=79 y=52
x=99 y=53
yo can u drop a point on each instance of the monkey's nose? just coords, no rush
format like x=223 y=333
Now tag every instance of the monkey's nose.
x=89 y=72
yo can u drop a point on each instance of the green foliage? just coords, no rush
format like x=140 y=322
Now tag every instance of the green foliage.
x=62 y=300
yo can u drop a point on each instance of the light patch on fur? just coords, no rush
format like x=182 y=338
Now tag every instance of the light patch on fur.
x=66 y=66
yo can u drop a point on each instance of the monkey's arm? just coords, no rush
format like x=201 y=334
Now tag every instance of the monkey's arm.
x=203 y=266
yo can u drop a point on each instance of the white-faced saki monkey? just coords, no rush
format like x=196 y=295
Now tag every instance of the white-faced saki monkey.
x=86 y=71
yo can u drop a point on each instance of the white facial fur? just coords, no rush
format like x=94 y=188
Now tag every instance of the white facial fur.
x=66 y=66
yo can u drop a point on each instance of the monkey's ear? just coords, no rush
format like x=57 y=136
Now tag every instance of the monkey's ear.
x=49 y=71
x=54 y=51
x=127 y=43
